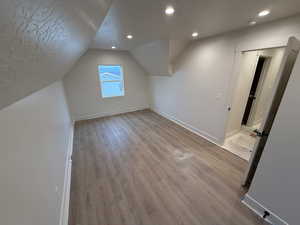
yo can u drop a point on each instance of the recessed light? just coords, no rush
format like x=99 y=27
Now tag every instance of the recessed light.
x=252 y=23
x=113 y=47
x=170 y=10
x=264 y=13
x=129 y=36
x=195 y=34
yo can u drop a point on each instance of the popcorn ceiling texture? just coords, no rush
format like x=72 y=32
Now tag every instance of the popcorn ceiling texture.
x=40 y=40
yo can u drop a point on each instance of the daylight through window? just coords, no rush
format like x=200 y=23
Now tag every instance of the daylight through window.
x=111 y=80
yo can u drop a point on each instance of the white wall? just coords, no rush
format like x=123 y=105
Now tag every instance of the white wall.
x=83 y=90
x=34 y=136
x=195 y=93
x=201 y=88
x=276 y=184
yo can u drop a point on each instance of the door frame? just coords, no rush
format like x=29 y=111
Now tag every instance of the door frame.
x=290 y=55
x=233 y=81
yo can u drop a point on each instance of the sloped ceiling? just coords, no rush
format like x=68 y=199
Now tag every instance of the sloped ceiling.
x=154 y=57
x=158 y=57
x=147 y=22
x=40 y=40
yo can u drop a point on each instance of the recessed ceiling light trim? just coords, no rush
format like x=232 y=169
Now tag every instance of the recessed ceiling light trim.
x=195 y=34
x=169 y=10
x=129 y=36
x=264 y=13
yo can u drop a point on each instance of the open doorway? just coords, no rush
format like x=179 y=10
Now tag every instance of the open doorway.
x=256 y=81
x=250 y=117
x=262 y=81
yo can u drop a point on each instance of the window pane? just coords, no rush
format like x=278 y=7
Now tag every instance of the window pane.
x=111 y=79
x=111 y=89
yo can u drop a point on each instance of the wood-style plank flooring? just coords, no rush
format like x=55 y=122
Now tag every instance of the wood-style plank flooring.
x=142 y=169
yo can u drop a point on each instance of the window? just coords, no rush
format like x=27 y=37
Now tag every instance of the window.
x=111 y=81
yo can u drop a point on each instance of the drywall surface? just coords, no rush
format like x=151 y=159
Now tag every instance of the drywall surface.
x=203 y=84
x=154 y=57
x=83 y=87
x=34 y=134
x=40 y=40
x=195 y=93
x=177 y=48
x=276 y=184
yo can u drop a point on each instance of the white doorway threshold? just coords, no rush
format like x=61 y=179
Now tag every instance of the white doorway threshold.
x=241 y=143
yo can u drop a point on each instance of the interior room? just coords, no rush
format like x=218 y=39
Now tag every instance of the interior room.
x=130 y=112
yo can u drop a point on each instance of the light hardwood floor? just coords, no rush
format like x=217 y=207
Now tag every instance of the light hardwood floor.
x=140 y=168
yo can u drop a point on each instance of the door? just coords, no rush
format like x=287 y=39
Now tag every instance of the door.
x=241 y=91
x=252 y=94
x=285 y=70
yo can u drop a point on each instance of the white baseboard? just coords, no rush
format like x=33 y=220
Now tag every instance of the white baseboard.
x=190 y=128
x=103 y=114
x=64 y=210
x=259 y=209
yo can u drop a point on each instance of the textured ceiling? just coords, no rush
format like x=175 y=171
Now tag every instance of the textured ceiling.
x=145 y=19
x=40 y=40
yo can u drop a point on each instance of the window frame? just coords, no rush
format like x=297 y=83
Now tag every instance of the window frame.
x=100 y=82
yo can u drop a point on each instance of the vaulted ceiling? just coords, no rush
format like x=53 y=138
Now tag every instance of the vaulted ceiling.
x=40 y=40
x=147 y=22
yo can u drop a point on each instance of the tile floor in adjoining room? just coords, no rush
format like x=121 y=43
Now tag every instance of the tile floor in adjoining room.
x=242 y=143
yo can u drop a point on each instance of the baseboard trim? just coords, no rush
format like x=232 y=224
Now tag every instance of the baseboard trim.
x=259 y=209
x=189 y=127
x=104 y=114
x=64 y=210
